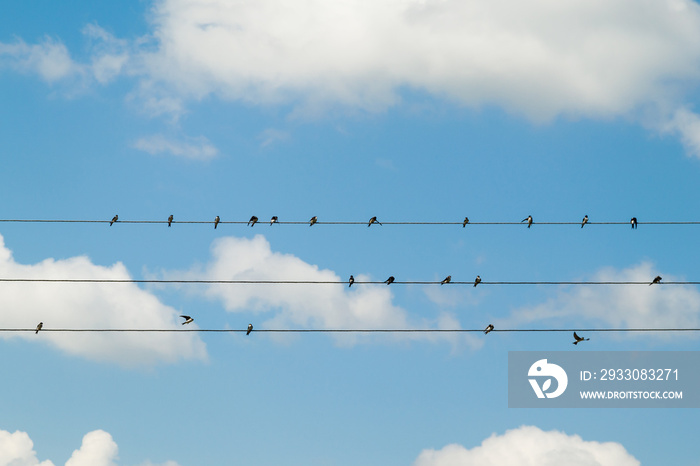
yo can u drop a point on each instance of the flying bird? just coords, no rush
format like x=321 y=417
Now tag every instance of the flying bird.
x=656 y=280
x=114 y=219
x=273 y=220
x=170 y=220
x=351 y=281
x=529 y=221
x=188 y=320
x=477 y=280
x=464 y=223
x=633 y=222
x=216 y=221
x=389 y=280
x=373 y=220
x=447 y=279
x=578 y=339
x=253 y=220
x=313 y=220
x=488 y=329
x=39 y=327
x=584 y=221
x=250 y=329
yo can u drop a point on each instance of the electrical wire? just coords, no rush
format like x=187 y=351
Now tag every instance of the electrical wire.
x=523 y=330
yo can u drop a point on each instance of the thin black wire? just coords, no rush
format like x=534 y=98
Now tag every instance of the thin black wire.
x=582 y=330
x=321 y=282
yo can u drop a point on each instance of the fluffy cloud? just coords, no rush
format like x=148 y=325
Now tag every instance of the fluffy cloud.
x=195 y=148
x=528 y=446
x=17 y=449
x=92 y=305
x=98 y=449
x=49 y=59
x=326 y=306
x=633 y=306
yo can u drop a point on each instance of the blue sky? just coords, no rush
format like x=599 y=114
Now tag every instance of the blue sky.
x=406 y=110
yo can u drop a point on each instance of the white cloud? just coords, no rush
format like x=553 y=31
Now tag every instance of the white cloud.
x=528 y=446
x=633 y=306
x=325 y=306
x=195 y=148
x=98 y=449
x=17 y=449
x=49 y=59
x=93 y=305
x=271 y=136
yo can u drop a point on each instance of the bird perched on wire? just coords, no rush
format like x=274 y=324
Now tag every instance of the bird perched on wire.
x=528 y=219
x=39 y=327
x=578 y=339
x=250 y=329
x=253 y=220
x=351 y=281
x=464 y=223
x=216 y=221
x=273 y=220
x=488 y=329
x=477 y=280
x=170 y=220
x=389 y=280
x=656 y=280
x=633 y=222
x=313 y=220
x=188 y=320
x=114 y=219
x=447 y=279
x=373 y=220
x=584 y=221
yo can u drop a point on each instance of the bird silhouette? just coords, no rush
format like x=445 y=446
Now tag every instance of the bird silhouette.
x=39 y=327
x=633 y=222
x=216 y=221
x=313 y=220
x=656 y=280
x=528 y=219
x=584 y=221
x=188 y=320
x=464 y=223
x=488 y=329
x=250 y=329
x=351 y=281
x=114 y=219
x=170 y=220
x=273 y=220
x=373 y=220
x=253 y=220
x=477 y=280
x=578 y=339
x=389 y=280
x=447 y=279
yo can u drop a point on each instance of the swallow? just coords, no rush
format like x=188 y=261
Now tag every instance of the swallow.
x=188 y=320
x=170 y=220
x=253 y=220
x=477 y=280
x=633 y=222
x=216 y=221
x=351 y=281
x=273 y=220
x=389 y=280
x=584 y=221
x=313 y=220
x=578 y=339
x=656 y=280
x=250 y=329
x=488 y=329
x=373 y=220
x=529 y=221
x=464 y=223
x=447 y=279
x=114 y=219
x=39 y=327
